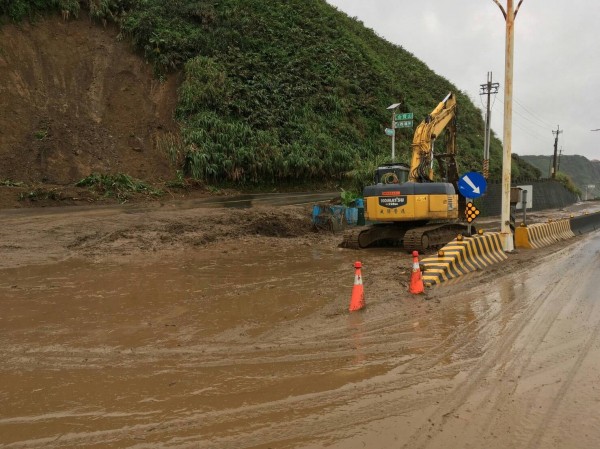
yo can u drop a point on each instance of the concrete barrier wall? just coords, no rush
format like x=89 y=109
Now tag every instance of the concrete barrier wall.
x=461 y=257
x=538 y=235
x=474 y=253
x=585 y=223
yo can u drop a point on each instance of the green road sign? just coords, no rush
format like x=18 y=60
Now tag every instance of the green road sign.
x=403 y=124
x=405 y=116
x=389 y=131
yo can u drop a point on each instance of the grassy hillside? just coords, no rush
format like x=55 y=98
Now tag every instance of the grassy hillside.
x=579 y=169
x=279 y=91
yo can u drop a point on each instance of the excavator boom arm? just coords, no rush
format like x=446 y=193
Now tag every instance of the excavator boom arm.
x=424 y=138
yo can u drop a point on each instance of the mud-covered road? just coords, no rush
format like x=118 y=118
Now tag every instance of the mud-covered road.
x=182 y=327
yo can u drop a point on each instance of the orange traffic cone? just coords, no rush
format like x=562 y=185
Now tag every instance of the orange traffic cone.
x=416 y=279
x=357 y=301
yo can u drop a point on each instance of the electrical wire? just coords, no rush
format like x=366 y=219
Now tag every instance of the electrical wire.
x=524 y=120
x=540 y=122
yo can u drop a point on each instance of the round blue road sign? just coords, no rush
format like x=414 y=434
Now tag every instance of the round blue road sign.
x=472 y=185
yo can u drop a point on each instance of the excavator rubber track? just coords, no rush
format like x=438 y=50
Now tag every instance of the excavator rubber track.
x=420 y=238
x=432 y=236
x=390 y=234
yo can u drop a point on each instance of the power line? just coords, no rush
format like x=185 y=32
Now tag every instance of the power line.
x=546 y=128
x=532 y=132
x=522 y=125
x=541 y=122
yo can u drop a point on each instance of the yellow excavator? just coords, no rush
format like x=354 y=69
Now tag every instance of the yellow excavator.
x=410 y=204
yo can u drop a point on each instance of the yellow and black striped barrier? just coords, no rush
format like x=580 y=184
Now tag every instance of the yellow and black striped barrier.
x=538 y=235
x=462 y=256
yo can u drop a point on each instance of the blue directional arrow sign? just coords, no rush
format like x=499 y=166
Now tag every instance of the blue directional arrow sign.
x=472 y=185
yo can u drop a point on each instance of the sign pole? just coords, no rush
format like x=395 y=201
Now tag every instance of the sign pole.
x=468 y=200
x=471 y=185
x=393 y=136
x=392 y=133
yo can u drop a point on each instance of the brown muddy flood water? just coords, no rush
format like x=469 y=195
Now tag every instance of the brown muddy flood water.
x=246 y=348
x=197 y=345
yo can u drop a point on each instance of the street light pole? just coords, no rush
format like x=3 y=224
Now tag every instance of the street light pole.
x=393 y=137
x=509 y=15
x=393 y=108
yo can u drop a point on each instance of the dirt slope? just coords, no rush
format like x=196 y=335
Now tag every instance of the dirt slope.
x=76 y=100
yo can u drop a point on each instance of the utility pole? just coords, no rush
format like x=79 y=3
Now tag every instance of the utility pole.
x=488 y=89
x=555 y=160
x=510 y=15
x=559 y=156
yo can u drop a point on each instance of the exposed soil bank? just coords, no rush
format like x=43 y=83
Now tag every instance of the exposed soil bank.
x=76 y=100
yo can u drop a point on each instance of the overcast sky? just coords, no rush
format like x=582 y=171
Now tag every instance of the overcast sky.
x=556 y=61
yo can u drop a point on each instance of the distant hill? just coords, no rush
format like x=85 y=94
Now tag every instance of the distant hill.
x=581 y=170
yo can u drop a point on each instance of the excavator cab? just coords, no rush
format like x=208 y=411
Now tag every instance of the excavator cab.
x=391 y=174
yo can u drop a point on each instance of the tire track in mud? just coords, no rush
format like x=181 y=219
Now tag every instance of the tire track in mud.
x=549 y=417
x=583 y=270
x=506 y=363
x=513 y=367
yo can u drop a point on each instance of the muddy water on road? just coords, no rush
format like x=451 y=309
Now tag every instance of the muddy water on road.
x=255 y=348
x=122 y=353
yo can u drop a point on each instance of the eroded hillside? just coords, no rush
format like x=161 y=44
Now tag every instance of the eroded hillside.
x=76 y=100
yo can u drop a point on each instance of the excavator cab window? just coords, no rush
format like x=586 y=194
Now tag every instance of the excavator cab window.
x=391 y=174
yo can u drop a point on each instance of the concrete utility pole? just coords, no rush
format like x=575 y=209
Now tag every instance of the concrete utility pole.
x=555 y=160
x=488 y=89
x=510 y=15
x=559 y=156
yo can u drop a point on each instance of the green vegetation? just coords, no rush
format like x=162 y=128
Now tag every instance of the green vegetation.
x=9 y=183
x=41 y=134
x=566 y=181
x=521 y=170
x=348 y=197
x=118 y=186
x=39 y=194
x=279 y=93
x=179 y=182
x=17 y=10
